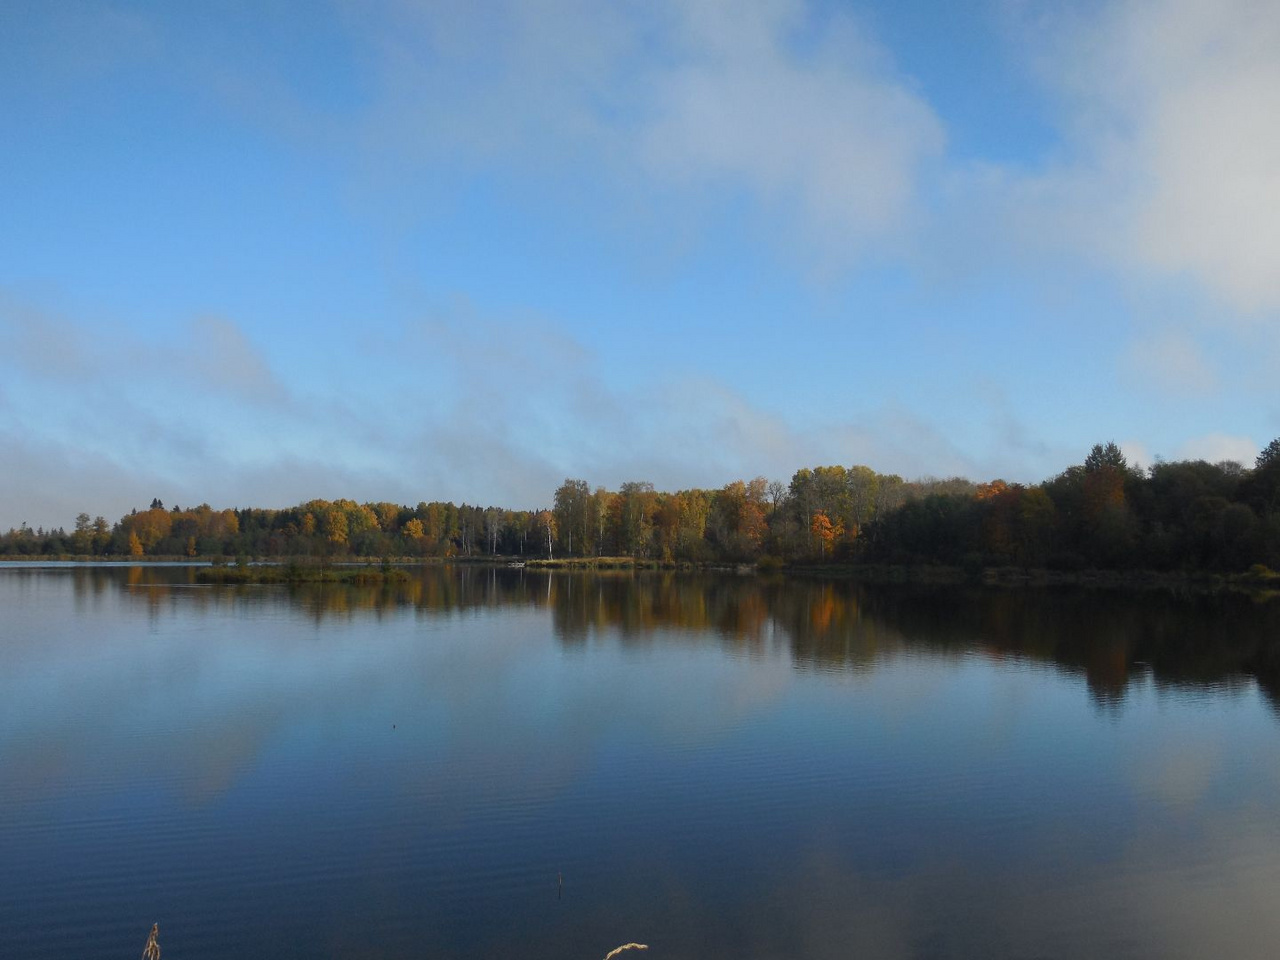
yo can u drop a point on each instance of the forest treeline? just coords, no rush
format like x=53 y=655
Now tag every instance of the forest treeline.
x=1102 y=513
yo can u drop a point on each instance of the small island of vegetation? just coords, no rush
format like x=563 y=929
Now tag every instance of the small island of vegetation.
x=293 y=572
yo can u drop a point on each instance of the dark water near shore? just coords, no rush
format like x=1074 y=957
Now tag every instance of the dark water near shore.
x=717 y=766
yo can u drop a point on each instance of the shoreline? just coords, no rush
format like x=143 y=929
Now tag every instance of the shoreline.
x=378 y=569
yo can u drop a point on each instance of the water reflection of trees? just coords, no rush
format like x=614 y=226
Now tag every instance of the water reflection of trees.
x=434 y=591
x=1110 y=638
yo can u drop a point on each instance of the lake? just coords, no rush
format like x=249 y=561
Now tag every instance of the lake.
x=502 y=763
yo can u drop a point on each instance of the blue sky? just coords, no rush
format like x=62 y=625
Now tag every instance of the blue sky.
x=256 y=253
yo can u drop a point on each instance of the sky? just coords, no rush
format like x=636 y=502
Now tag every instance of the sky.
x=257 y=253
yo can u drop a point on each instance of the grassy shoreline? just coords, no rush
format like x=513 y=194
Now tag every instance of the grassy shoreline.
x=298 y=573
x=376 y=570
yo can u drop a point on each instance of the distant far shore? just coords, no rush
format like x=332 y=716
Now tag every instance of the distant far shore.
x=362 y=570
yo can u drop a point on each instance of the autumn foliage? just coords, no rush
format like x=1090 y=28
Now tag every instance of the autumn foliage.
x=1103 y=513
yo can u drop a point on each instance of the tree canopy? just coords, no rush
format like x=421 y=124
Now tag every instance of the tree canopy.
x=1102 y=513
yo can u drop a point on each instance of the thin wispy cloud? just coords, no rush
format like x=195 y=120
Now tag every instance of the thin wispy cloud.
x=461 y=433
x=1173 y=363
x=695 y=105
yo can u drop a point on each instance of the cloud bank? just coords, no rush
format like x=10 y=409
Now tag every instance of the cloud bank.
x=1170 y=164
x=691 y=105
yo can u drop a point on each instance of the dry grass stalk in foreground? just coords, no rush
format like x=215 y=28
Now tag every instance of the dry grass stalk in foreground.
x=152 y=950
x=626 y=946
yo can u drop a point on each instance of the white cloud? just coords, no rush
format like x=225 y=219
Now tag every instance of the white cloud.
x=687 y=104
x=1216 y=447
x=1136 y=454
x=832 y=133
x=1171 y=164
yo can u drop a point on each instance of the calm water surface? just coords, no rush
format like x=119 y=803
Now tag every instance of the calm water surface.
x=716 y=766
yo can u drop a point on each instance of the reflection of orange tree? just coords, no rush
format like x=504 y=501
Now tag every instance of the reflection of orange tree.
x=636 y=607
x=822 y=610
x=1206 y=639
x=825 y=625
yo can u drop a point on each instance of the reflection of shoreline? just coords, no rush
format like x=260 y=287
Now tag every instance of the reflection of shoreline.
x=1257 y=582
x=1110 y=638
x=374 y=761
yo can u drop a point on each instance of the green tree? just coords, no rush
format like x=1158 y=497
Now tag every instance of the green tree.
x=638 y=501
x=1105 y=455
x=101 y=534
x=83 y=537
x=573 y=516
x=1269 y=455
x=546 y=521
